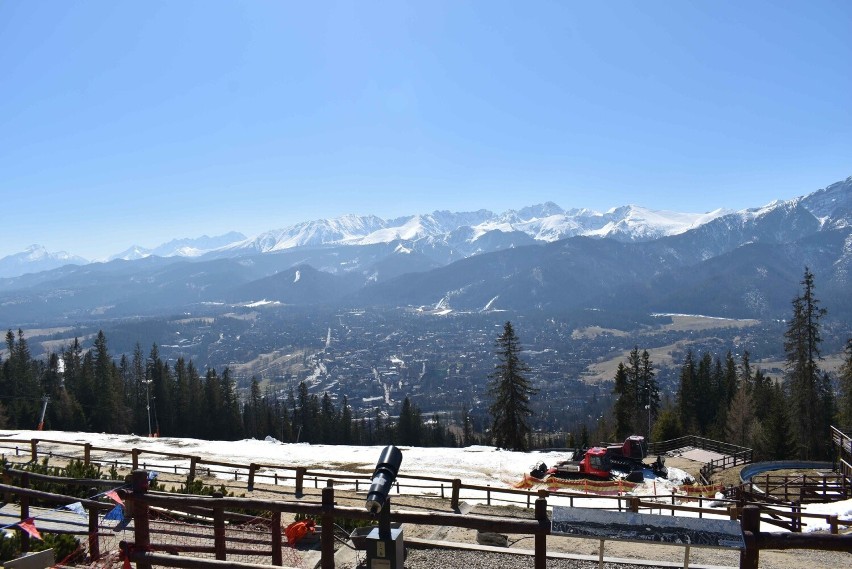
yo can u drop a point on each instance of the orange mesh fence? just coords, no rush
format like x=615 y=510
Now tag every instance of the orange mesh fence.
x=609 y=487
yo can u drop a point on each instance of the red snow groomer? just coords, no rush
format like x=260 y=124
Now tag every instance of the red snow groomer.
x=591 y=463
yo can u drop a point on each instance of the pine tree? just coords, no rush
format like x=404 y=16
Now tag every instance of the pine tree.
x=346 y=423
x=808 y=387
x=233 y=421
x=410 y=427
x=648 y=392
x=511 y=391
x=687 y=395
x=623 y=407
x=668 y=425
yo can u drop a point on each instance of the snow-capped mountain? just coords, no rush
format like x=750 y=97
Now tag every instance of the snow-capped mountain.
x=446 y=236
x=544 y=222
x=36 y=258
x=187 y=247
x=742 y=264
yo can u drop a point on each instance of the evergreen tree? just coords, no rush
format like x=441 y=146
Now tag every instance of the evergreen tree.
x=468 y=436
x=254 y=410
x=214 y=404
x=195 y=412
x=109 y=414
x=648 y=392
x=623 y=407
x=328 y=420
x=668 y=425
x=19 y=383
x=808 y=387
x=140 y=390
x=687 y=395
x=777 y=427
x=745 y=372
x=232 y=419
x=347 y=423
x=410 y=428
x=511 y=391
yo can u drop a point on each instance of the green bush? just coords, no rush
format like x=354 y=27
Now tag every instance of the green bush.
x=65 y=547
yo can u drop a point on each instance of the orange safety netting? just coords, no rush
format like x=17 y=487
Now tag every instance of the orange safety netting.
x=608 y=487
x=602 y=487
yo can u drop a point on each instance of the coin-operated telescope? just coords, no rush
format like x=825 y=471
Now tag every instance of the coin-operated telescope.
x=385 y=547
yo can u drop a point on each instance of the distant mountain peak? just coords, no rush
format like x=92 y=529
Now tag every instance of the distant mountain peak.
x=34 y=259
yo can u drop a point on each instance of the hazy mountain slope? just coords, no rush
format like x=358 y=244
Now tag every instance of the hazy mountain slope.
x=34 y=259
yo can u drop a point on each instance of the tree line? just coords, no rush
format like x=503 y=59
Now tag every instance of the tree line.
x=726 y=399
x=736 y=401
x=88 y=390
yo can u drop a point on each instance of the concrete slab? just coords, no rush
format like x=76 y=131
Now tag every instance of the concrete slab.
x=699 y=455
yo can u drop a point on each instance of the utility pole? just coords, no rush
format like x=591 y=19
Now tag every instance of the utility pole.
x=148 y=405
x=44 y=400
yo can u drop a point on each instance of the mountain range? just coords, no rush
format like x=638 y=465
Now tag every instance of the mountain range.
x=739 y=264
x=462 y=231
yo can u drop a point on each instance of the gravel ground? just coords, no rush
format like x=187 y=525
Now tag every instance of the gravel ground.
x=444 y=559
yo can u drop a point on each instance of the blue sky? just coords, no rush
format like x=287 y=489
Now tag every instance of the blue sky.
x=137 y=122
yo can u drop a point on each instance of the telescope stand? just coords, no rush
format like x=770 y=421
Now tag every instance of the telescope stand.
x=385 y=547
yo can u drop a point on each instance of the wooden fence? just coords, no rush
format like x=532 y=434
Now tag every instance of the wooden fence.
x=149 y=545
x=299 y=479
x=733 y=455
x=843 y=444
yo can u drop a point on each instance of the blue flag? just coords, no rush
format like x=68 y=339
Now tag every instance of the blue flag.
x=117 y=513
x=76 y=507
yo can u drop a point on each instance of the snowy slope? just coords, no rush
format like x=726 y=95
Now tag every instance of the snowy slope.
x=475 y=465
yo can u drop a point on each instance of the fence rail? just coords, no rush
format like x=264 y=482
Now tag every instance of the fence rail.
x=151 y=541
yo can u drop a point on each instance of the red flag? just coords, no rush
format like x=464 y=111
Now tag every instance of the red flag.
x=114 y=497
x=28 y=525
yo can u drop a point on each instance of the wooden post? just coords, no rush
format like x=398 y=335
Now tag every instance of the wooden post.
x=193 y=464
x=300 y=480
x=454 y=501
x=252 y=470
x=750 y=556
x=34 y=450
x=541 y=533
x=25 y=512
x=134 y=453
x=87 y=453
x=275 y=528
x=832 y=523
x=219 y=542
x=141 y=522
x=94 y=544
x=327 y=535
x=634 y=504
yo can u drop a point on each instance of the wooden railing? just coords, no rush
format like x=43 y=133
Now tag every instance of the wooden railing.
x=149 y=546
x=297 y=479
x=843 y=443
x=733 y=455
